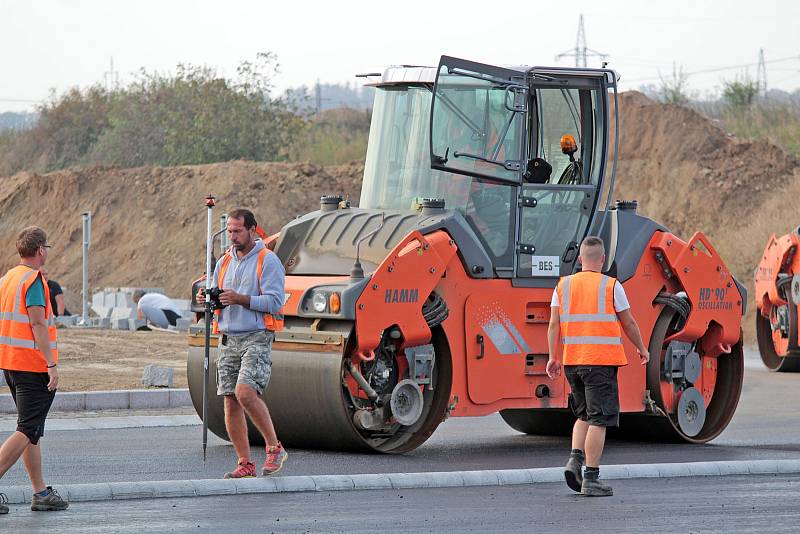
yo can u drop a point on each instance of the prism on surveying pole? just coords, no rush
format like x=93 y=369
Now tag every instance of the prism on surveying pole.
x=87 y=239
x=209 y=280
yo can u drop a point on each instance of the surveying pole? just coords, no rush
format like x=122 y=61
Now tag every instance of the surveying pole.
x=87 y=239
x=209 y=281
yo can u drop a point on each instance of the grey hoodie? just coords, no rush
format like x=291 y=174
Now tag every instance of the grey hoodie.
x=240 y=276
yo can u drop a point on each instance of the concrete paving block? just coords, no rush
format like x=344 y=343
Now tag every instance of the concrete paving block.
x=98 y=300
x=633 y=471
x=182 y=325
x=135 y=324
x=254 y=485
x=7 y=404
x=149 y=399
x=174 y=488
x=101 y=322
x=333 y=482
x=18 y=494
x=132 y=490
x=372 y=481
x=100 y=491
x=731 y=468
x=214 y=487
x=108 y=400
x=447 y=479
x=294 y=483
x=616 y=471
x=410 y=480
x=510 y=477
x=155 y=376
x=2 y=379
x=763 y=466
x=179 y=398
x=789 y=466
x=704 y=469
x=66 y=320
x=479 y=478
x=120 y=324
x=547 y=474
x=71 y=401
x=673 y=470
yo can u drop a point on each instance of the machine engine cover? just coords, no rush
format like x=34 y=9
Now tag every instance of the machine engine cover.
x=691 y=412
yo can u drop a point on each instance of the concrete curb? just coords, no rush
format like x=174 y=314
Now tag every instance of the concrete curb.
x=124 y=399
x=395 y=481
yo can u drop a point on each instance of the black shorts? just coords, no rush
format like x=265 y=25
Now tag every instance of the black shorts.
x=33 y=401
x=595 y=395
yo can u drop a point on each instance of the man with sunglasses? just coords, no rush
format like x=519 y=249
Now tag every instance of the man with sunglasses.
x=29 y=359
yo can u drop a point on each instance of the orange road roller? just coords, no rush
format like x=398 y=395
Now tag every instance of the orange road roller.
x=431 y=299
x=777 y=288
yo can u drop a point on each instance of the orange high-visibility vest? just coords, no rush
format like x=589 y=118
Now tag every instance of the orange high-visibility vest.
x=273 y=323
x=18 y=349
x=590 y=331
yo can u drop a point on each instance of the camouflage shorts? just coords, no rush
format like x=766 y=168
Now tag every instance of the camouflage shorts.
x=245 y=359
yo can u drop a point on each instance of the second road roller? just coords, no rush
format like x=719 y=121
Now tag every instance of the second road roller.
x=431 y=299
x=777 y=296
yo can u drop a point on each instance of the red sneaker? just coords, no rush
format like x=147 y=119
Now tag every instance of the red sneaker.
x=276 y=456
x=244 y=469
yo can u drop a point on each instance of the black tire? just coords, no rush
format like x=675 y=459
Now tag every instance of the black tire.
x=539 y=422
x=728 y=388
x=766 y=348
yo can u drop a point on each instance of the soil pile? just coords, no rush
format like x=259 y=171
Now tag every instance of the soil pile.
x=149 y=223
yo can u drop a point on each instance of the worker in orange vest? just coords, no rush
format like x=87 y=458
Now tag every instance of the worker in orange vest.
x=588 y=313
x=29 y=359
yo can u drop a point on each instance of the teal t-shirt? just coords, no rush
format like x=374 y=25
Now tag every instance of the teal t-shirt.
x=35 y=294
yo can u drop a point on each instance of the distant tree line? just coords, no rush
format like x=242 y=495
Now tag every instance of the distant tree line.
x=191 y=116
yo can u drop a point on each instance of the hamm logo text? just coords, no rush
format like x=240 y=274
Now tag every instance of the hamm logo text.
x=401 y=295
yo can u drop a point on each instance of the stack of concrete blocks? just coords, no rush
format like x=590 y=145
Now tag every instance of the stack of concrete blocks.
x=115 y=309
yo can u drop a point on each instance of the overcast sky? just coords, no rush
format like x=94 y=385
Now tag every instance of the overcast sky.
x=57 y=44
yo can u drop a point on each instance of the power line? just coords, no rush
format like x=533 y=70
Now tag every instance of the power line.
x=721 y=69
x=581 y=51
x=19 y=100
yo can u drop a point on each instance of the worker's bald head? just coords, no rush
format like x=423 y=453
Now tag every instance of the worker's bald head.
x=592 y=254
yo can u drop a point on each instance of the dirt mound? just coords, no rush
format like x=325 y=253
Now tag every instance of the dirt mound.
x=149 y=223
x=690 y=175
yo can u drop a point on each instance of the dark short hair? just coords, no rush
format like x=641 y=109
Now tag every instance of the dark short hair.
x=29 y=240
x=592 y=241
x=246 y=214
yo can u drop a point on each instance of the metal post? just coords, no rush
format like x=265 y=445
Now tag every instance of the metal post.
x=209 y=283
x=87 y=239
x=223 y=237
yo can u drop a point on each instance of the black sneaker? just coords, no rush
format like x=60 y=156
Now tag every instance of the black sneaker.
x=3 y=502
x=592 y=487
x=49 y=503
x=573 y=472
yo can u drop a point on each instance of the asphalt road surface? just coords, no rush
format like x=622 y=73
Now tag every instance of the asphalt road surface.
x=709 y=504
x=766 y=426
